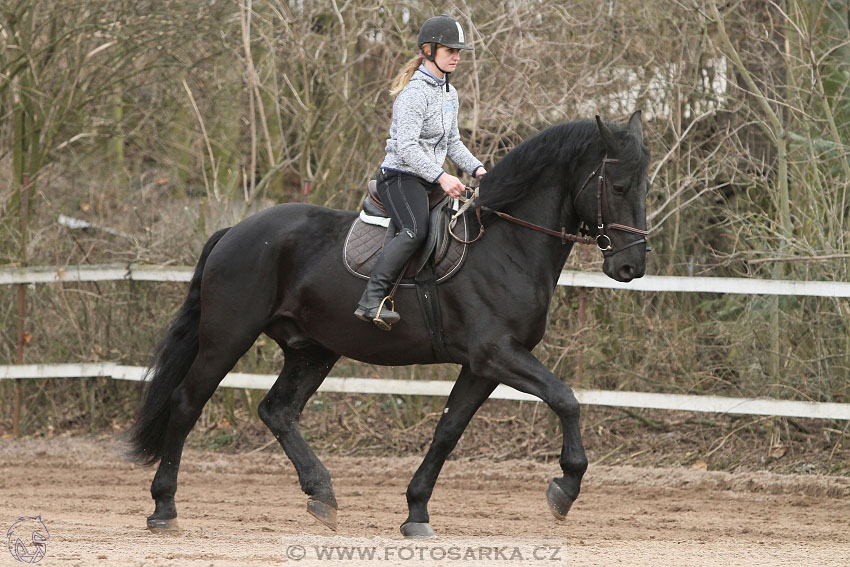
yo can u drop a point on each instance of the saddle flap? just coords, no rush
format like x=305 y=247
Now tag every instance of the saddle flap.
x=437 y=223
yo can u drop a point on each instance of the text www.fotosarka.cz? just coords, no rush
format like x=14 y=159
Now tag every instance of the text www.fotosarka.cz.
x=416 y=552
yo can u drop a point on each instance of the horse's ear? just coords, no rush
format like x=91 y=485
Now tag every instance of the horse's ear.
x=608 y=138
x=635 y=126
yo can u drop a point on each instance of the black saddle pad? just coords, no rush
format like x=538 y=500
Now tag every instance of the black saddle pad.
x=364 y=243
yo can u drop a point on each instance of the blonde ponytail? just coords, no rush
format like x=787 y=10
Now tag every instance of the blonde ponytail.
x=405 y=75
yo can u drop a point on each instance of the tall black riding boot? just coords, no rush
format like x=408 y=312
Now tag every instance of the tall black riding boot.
x=392 y=261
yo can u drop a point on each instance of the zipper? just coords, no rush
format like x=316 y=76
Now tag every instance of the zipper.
x=442 y=122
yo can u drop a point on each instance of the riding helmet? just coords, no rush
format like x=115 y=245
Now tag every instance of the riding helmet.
x=444 y=30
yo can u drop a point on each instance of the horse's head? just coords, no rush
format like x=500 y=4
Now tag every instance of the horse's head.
x=612 y=201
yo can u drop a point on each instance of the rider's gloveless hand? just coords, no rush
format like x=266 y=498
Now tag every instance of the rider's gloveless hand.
x=451 y=185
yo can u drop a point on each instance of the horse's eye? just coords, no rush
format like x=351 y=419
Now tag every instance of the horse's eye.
x=619 y=189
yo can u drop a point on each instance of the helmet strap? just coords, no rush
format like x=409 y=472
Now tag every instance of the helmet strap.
x=433 y=59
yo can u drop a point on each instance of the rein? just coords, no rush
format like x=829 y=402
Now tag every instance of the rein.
x=602 y=227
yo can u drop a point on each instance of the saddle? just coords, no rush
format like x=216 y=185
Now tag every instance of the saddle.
x=371 y=230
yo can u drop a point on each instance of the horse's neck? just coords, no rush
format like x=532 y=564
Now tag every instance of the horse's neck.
x=547 y=205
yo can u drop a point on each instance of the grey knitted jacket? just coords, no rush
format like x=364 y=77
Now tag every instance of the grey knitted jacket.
x=424 y=130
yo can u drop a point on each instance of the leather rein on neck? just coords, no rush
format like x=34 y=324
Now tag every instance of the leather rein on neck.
x=602 y=240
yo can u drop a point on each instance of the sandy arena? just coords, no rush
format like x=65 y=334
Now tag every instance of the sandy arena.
x=248 y=510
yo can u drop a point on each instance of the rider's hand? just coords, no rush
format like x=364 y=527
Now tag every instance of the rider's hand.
x=480 y=172
x=451 y=185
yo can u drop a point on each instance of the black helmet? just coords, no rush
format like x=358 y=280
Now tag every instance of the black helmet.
x=444 y=30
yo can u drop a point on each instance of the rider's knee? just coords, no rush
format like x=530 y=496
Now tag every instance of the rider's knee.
x=415 y=236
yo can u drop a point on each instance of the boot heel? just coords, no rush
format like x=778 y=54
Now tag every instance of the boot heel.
x=362 y=314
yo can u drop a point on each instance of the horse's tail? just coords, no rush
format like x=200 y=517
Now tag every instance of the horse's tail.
x=171 y=362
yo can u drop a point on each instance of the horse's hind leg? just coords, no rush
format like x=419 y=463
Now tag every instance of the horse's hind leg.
x=467 y=395
x=216 y=357
x=304 y=370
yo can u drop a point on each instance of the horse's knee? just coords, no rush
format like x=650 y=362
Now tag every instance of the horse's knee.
x=564 y=403
x=570 y=408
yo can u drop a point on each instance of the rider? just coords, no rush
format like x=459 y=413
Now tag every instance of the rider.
x=423 y=132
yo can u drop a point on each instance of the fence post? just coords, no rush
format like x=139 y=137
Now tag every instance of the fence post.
x=22 y=307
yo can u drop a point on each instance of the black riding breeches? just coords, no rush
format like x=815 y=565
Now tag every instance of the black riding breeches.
x=405 y=198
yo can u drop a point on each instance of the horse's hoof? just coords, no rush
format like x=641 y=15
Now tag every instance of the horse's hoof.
x=417 y=530
x=559 y=502
x=162 y=524
x=322 y=512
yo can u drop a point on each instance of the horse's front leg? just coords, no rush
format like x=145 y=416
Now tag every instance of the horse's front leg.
x=467 y=395
x=509 y=362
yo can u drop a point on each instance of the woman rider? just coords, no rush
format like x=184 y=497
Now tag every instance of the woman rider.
x=423 y=132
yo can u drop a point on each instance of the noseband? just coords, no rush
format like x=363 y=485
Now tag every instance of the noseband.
x=602 y=240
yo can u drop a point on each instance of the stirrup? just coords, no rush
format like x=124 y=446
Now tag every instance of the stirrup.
x=383 y=325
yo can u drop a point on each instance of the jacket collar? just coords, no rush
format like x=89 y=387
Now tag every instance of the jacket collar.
x=424 y=74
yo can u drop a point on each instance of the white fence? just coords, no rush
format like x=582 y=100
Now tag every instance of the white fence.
x=680 y=402
x=117 y=272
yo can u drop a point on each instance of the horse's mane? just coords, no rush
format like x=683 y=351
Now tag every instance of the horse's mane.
x=562 y=143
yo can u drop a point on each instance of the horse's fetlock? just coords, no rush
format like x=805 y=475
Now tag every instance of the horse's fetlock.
x=417 y=492
x=574 y=465
x=574 y=469
x=162 y=490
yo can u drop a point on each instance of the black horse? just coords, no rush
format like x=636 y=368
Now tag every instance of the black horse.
x=280 y=272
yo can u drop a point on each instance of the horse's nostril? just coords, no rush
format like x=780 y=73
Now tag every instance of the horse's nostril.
x=627 y=273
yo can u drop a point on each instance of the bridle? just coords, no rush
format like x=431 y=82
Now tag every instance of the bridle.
x=602 y=240
x=602 y=205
